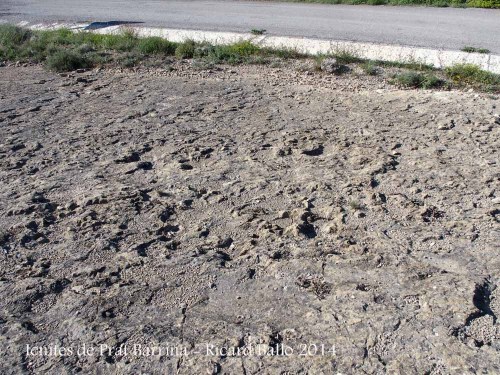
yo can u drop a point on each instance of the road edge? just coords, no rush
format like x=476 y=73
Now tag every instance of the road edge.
x=372 y=51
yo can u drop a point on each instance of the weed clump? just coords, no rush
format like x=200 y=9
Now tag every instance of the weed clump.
x=233 y=53
x=66 y=60
x=418 y=80
x=12 y=38
x=258 y=31
x=473 y=75
x=370 y=68
x=155 y=45
x=475 y=50
x=11 y=35
x=483 y=3
x=186 y=50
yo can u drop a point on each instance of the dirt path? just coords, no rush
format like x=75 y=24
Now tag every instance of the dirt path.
x=249 y=209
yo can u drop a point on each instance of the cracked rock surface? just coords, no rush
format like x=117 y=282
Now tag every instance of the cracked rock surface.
x=246 y=209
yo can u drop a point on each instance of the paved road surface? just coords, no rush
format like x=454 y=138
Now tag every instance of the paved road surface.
x=447 y=28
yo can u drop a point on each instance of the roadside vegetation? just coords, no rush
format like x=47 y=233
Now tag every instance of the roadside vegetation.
x=64 y=50
x=258 y=31
x=418 y=80
x=432 y=3
x=472 y=75
x=475 y=50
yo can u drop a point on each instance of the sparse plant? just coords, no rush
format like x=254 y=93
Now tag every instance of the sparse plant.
x=370 y=68
x=473 y=75
x=186 y=50
x=233 y=53
x=156 y=45
x=318 y=59
x=283 y=53
x=483 y=3
x=65 y=49
x=418 y=80
x=86 y=48
x=258 y=60
x=410 y=65
x=431 y=82
x=129 y=60
x=475 y=50
x=276 y=64
x=244 y=48
x=345 y=56
x=65 y=60
x=202 y=64
x=258 y=31
x=355 y=205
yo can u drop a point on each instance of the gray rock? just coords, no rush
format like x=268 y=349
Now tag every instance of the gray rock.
x=330 y=65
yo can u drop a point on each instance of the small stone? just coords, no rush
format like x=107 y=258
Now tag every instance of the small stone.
x=447 y=125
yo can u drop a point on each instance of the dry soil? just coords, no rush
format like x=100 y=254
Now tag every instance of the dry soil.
x=246 y=220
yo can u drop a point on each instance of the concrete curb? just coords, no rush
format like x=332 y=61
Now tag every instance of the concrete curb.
x=385 y=52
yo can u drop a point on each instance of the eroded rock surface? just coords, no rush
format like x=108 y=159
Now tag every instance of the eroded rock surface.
x=247 y=209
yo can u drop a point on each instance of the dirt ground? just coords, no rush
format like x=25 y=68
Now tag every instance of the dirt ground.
x=246 y=220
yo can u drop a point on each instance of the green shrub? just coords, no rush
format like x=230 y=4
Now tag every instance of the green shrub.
x=470 y=74
x=185 y=50
x=233 y=53
x=418 y=80
x=475 y=50
x=12 y=41
x=244 y=48
x=155 y=45
x=410 y=79
x=60 y=36
x=431 y=81
x=66 y=60
x=11 y=35
x=483 y=3
x=258 y=31
x=463 y=73
x=86 y=48
x=121 y=42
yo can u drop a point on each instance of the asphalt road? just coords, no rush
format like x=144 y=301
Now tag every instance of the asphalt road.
x=447 y=28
